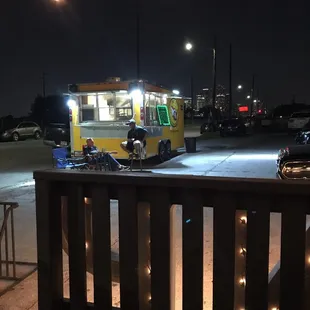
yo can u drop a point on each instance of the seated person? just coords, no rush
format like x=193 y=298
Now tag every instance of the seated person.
x=136 y=139
x=90 y=150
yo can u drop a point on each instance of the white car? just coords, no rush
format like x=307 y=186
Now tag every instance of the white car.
x=298 y=120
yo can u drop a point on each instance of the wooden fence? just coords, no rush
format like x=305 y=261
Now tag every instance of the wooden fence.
x=241 y=232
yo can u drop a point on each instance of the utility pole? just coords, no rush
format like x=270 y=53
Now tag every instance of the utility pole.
x=214 y=74
x=138 y=40
x=230 y=81
x=252 y=95
x=43 y=85
x=192 y=96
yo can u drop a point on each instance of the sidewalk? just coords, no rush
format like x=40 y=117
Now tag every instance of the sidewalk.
x=211 y=153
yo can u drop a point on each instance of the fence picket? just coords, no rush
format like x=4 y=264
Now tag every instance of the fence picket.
x=101 y=248
x=77 y=247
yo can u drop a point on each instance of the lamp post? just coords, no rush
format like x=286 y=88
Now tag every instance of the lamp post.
x=138 y=39
x=230 y=82
x=214 y=74
x=189 y=47
x=252 y=95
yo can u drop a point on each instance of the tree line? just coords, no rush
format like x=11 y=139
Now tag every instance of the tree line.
x=43 y=110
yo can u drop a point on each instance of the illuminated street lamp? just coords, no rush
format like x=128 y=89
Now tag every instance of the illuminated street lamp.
x=188 y=46
x=254 y=100
x=248 y=97
x=176 y=92
x=239 y=87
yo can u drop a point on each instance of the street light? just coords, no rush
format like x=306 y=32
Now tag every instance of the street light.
x=248 y=97
x=176 y=92
x=188 y=46
x=239 y=87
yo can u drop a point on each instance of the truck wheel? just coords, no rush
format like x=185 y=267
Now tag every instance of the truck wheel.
x=161 y=151
x=37 y=135
x=168 y=150
x=15 y=136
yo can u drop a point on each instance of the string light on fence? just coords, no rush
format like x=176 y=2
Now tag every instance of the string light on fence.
x=243 y=220
x=242 y=281
x=242 y=251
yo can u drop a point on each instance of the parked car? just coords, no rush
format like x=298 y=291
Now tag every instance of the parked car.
x=57 y=134
x=234 y=126
x=23 y=130
x=294 y=162
x=298 y=120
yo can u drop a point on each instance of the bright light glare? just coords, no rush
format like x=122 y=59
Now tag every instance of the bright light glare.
x=136 y=93
x=188 y=46
x=176 y=92
x=248 y=97
x=71 y=103
x=255 y=100
x=239 y=86
x=137 y=96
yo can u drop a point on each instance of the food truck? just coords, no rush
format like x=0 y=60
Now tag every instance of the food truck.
x=101 y=111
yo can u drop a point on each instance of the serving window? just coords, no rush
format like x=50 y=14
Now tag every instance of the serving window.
x=107 y=106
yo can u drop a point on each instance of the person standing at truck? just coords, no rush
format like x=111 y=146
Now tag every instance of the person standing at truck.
x=136 y=139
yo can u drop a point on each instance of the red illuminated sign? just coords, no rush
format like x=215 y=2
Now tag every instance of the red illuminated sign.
x=244 y=109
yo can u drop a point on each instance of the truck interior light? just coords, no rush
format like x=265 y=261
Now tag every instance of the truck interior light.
x=71 y=103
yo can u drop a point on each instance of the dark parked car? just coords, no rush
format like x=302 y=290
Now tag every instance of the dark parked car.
x=294 y=162
x=23 y=130
x=57 y=134
x=235 y=126
x=303 y=136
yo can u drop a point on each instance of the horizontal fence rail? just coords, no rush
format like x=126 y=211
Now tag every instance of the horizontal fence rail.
x=146 y=267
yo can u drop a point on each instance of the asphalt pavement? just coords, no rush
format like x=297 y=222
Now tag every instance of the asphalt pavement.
x=251 y=156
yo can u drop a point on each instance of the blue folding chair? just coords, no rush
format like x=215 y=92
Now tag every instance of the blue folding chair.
x=61 y=161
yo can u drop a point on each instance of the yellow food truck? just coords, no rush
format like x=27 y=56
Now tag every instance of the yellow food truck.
x=101 y=110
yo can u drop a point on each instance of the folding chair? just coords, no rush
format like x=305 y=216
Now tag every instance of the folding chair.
x=60 y=160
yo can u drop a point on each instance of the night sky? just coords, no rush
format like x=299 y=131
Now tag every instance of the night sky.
x=89 y=40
